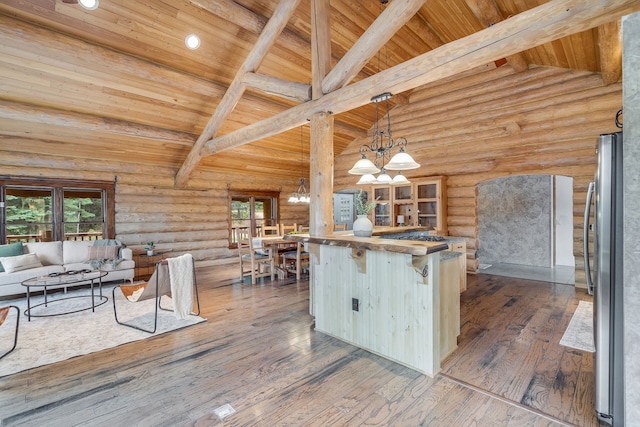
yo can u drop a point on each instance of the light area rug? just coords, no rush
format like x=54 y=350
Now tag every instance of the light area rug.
x=579 y=333
x=46 y=340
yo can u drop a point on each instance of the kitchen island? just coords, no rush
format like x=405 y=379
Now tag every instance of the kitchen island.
x=394 y=298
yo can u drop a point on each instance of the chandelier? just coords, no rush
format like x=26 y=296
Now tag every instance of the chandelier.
x=382 y=143
x=301 y=195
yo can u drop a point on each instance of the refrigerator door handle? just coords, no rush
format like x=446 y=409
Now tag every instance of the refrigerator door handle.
x=587 y=216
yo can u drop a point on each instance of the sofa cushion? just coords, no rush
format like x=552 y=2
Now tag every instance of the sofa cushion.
x=49 y=253
x=12 y=249
x=20 y=262
x=75 y=251
x=19 y=276
x=103 y=252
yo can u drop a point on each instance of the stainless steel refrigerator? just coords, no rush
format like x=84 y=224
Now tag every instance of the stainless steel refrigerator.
x=606 y=282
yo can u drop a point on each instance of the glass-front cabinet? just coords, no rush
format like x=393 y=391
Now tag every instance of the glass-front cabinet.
x=382 y=212
x=423 y=203
x=431 y=201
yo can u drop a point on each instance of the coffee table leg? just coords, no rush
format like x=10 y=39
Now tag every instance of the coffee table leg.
x=28 y=305
x=93 y=301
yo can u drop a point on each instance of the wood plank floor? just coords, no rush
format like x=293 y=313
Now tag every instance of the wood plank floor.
x=258 y=351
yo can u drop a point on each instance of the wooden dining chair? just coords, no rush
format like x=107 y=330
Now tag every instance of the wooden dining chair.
x=339 y=227
x=4 y=314
x=297 y=261
x=271 y=230
x=255 y=264
x=286 y=229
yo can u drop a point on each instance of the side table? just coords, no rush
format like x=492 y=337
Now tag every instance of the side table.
x=146 y=264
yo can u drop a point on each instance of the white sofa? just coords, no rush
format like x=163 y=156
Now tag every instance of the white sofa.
x=58 y=257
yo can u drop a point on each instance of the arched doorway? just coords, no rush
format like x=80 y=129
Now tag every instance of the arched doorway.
x=525 y=227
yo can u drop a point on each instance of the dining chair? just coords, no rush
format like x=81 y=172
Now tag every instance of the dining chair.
x=339 y=227
x=296 y=261
x=4 y=314
x=303 y=229
x=286 y=229
x=271 y=230
x=255 y=264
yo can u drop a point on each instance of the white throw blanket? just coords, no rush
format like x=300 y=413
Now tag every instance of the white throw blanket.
x=181 y=277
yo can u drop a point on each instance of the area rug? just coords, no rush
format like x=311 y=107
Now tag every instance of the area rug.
x=46 y=340
x=579 y=333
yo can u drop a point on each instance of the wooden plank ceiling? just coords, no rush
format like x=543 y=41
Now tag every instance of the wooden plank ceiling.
x=117 y=83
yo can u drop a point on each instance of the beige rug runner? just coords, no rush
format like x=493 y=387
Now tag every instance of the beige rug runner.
x=46 y=340
x=579 y=333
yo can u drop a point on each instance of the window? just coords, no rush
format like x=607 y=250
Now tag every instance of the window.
x=252 y=211
x=48 y=210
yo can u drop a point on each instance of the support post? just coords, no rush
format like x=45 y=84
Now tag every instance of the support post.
x=321 y=175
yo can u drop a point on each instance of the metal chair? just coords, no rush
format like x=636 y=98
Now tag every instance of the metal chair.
x=4 y=314
x=158 y=285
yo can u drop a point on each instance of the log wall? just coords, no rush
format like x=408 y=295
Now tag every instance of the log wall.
x=492 y=122
x=150 y=208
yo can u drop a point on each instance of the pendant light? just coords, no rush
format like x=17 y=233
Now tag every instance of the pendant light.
x=382 y=143
x=301 y=195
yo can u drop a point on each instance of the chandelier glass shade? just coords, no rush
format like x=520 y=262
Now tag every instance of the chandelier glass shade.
x=382 y=143
x=301 y=195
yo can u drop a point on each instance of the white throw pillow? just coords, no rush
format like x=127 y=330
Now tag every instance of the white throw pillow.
x=75 y=251
x=49 y=253
x=20 y=262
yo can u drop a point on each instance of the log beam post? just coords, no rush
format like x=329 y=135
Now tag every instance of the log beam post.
x=321 y=175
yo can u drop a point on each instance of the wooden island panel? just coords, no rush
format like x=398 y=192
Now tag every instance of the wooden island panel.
x=386 y=302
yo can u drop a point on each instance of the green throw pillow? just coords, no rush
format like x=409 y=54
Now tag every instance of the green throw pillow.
x=13 y=249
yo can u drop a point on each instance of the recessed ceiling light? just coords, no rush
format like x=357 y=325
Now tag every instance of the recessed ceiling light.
x=89 y=4
x=192 y=41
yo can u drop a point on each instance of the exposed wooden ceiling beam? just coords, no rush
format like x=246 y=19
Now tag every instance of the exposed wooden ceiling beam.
x=320 y=44
x=379 y=32
x=553 y=20
x=488 y=14
x=267 y=39
x=299 y=92
x=252 y=22
x=610 y=46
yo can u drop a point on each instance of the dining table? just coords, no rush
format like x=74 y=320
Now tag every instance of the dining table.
x=277 y=244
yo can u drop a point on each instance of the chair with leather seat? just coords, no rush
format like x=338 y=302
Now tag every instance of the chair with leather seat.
x=4 y=315
x=180 y=284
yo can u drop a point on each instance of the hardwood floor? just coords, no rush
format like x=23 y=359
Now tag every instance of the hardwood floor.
x=259 y=353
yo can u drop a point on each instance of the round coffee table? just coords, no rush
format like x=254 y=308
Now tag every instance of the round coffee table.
x=59 y=280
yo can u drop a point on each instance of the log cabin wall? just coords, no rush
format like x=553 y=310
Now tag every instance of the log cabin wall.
x=149 y=207
x=493 y=122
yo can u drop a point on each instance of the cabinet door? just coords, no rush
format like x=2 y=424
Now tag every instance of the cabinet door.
x=382 y=212
x=431 y=203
